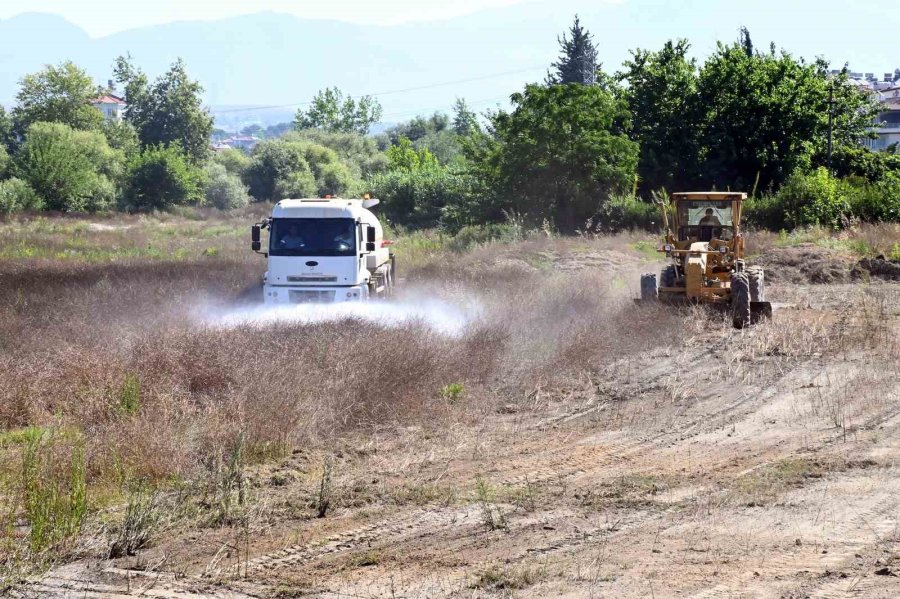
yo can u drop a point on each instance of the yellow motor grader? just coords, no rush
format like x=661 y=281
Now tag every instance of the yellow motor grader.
x=706 y=249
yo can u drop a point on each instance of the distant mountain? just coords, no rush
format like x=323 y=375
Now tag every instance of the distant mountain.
x=279 y=59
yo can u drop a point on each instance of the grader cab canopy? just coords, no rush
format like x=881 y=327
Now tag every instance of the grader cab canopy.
x=705 y=246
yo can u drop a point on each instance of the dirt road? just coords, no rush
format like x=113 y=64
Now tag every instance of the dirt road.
x=757 y=463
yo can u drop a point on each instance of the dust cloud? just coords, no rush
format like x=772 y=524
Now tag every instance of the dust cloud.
x=438 y=314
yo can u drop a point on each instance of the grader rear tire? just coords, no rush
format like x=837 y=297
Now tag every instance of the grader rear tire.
x=649 y=288
x=740 y=300
x=757 y=279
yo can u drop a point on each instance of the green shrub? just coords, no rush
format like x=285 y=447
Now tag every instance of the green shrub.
x=294 y=167
x=764 y=212
x=274 y=164
x=334 y=179
x=879 y=201
x=234 y=161
x=162 y=177
x=815 y=198
x=427 y=197
x=299 y=184
x=453 y=391
x=857 y=161
x=130 y=395
x=224 y=190
x=17 y=195
x=70 y=170
x=54 y=492
x=358 y=152
x=620 y=213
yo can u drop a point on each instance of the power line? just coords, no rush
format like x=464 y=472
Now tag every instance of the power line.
x=423 y=112
x=393 y=91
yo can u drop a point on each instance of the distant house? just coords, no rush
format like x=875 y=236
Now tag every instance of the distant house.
x=243 y=142
x=238 y=142
x=110 y=105
x=888 y=118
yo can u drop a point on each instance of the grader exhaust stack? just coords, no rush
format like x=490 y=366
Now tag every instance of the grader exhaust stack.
x=706 y=248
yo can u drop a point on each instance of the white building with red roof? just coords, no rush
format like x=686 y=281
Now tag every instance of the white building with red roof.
x=110 y=105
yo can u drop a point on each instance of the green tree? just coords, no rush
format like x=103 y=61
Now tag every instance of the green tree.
x=120 y=135
x=332 y=112
x=235 y=161
x=224 y=190
x=764 y=115
x=445 y=146
x=404 y=156
x=273 y=131
x=57 y=94
x=662 y=98
x=6 y=129
x=272 y=162
x=857 y=161
x=161 y=177
x=359 y=152
x=418 y=127
x=4 y=162
x=295 y=167
x=559 y=154
x=254 y=129
x=70 y=170
x=578 y=58
x=168 y=111
x=296 y=184
x=465 y=122
x=331 y=175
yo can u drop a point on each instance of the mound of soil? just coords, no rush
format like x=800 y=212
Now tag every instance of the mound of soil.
x=876 y=268
x=806 y=263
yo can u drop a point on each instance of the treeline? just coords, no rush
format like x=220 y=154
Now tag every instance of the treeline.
x=583 y=148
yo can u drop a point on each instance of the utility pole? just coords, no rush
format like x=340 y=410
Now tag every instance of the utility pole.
x=830 y=120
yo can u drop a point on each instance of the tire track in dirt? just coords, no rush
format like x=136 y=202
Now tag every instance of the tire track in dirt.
x=591 y=463
x=76 y=581
x=568 y=462
x=860 y=525
x=379 y=533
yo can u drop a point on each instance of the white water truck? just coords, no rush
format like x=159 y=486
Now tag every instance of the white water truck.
x=325 y=250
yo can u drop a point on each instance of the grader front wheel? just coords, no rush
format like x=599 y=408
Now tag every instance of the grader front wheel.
x=740 y=300
x=649 y=288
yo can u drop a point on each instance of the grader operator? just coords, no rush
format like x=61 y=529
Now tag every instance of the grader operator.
x=705 y=245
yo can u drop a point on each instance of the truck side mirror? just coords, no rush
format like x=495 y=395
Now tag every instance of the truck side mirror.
x=370 y=234
x=255 y=244
x=370 y=246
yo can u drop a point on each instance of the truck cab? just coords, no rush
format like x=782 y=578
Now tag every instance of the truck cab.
x=324 y=250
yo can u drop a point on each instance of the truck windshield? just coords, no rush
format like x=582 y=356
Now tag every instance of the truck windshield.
x=312 y=237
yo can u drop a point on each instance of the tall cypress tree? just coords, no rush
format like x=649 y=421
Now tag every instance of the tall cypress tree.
x=578 y=58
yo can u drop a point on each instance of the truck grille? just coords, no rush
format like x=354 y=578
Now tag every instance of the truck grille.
x=311 y=296
x=311 y=279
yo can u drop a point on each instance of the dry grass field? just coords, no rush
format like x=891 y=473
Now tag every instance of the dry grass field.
x=159 y=438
